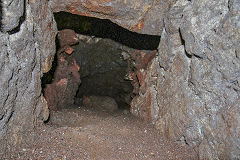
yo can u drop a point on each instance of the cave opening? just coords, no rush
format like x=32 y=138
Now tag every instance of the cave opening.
x=98 y=70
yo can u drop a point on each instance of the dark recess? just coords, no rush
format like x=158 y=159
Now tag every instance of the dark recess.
x=104 y=28
x=99 y=78
x=47 y=78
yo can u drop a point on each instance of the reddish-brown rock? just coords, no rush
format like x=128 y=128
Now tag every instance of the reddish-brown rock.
x=67 y=37
x=141 y=59
x=142 y=16
x=143 y=104
x=61 y=92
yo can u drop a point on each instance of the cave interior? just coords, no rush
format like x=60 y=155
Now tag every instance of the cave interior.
x=106 y=56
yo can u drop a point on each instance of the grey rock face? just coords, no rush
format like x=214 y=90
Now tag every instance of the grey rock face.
x=198 y=91
x=12 y=14
x=21 y=70
x=197 y=87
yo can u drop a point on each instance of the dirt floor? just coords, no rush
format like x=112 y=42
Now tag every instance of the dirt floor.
x=80 y=133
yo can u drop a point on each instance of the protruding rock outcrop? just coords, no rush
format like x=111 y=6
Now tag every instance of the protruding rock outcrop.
x=66 y=79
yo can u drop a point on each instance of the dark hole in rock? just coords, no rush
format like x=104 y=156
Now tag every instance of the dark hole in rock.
x=104 y=28
x=103 y=70
x=48 y=77
x=106 y=58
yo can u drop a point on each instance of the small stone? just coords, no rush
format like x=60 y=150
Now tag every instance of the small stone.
x=69 y=50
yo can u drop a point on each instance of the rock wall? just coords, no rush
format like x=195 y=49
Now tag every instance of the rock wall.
x=193 y=84
x=27 y=45
x=191 y=88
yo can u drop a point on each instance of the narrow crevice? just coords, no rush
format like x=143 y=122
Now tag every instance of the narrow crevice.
x=199 y=57
x=229 y=5
x=183 y=43
x=48 y=77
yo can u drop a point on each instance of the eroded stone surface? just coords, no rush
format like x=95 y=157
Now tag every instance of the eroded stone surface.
x=142 y=16
x=190 y=90
x=21 y=70
x=197 y=80
x=66 y=79
x=12 y=15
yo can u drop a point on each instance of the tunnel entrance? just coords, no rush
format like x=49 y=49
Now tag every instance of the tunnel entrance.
x=102 y=70
x=95 y=66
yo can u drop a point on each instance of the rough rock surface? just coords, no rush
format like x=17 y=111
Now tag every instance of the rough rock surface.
x=100 y=103
x=24 y=51
x=67 y=37
x=201 y=77
x=66 y=79
x=192 y=92
x=12 y=15
x=142 y=16
x=140 y=61
x=145 y=104
x=192 y=89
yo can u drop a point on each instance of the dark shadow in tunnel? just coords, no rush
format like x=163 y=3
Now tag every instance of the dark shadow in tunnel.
x=104 y=28
x=102 y=75
x=48 y=77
